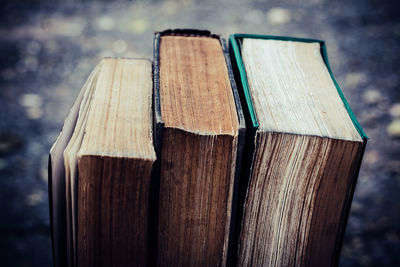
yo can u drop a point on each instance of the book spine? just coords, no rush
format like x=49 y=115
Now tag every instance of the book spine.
x=158 y=129
x=248 y=151
x=235 y=220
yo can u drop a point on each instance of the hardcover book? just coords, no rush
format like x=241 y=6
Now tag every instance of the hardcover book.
x=200 y=133
x=303 y=151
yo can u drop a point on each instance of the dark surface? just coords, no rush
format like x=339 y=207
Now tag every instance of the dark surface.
x=48 y=50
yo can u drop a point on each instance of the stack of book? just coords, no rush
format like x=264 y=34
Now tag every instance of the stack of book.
x=207 y=156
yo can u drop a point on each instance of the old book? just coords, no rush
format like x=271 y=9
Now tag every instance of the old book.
x=304 y=150
x=101 y=167
x=200 y=125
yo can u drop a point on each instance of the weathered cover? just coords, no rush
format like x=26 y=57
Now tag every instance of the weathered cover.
x=159 y=124
x=235 y=41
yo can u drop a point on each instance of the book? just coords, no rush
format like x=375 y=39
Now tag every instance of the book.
x=101 y=169
x=200 y=128
x=160 y=165
x=304 y=148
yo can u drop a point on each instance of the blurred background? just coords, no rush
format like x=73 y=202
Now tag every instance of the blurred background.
x=47 y=50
